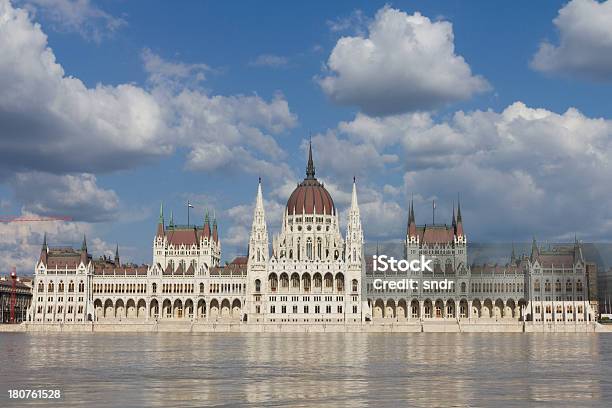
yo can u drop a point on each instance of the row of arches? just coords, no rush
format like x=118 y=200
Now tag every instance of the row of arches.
x=61 y=287
x=426 y=309
x=305 y=283
x=168 y=309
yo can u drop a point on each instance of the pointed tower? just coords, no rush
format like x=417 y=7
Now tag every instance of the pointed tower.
x=459 y=227
x=535 y=251
x=117 y=263
x=206 y=226
x=258 y=241
x=215 y=232
x=354 y=232
x=412 y=237
x=454 y=221
x=44 y=251
x=84 y=250
x=310 y=169
x=412 y=232
x=171 y=224
x=160 y=222
x=513 y=255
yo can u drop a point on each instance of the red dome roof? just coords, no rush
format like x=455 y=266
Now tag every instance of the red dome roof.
x=310 y=196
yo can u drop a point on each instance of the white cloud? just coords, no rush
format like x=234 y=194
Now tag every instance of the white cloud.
x=75 y=196
x=520 y=172
x=406 y=63
x=166 y=72
x=79 y=16
x=269 y=60
x=20 y=241
x=52 y=122
x=331 y=153
x=356 y=22
x=585 y=42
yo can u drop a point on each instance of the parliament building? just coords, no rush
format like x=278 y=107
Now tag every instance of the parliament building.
x=311 y=273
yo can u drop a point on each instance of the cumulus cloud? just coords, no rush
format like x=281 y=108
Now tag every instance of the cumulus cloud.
x=75 y=196
x=406 y=63
x=20 y=241
x=330 y=148
x=269 y=60
x=585 y=42
x=80 y=16
x=521 y=171
x=52 y=122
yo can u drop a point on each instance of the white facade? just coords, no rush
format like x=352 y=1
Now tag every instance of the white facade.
x=311 y=274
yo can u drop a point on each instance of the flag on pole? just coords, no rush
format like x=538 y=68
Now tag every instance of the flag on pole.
x=189 y=204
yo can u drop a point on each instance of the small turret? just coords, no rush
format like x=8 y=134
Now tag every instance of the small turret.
x=160 y=223
x=44 y=251
x=117 y=263
x=412 y=232
x=459 y=227
x=215 y=232
x=84 y=255
x=206 y=226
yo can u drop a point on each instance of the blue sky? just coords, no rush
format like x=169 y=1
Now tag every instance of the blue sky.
x=522 y=169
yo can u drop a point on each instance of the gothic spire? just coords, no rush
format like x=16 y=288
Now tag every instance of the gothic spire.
x=354 y=204
x=454 y=223
x=84 y=244
x=310 y=169
x=458 y=210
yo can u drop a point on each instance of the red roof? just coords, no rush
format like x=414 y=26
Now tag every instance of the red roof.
x=310 y=197
x=178 y=237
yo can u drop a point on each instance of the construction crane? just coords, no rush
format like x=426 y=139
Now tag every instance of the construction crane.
x=32 y=218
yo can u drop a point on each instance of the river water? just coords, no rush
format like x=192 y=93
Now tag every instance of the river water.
x=309 y=370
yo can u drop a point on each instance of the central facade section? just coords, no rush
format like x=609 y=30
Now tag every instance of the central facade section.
x=313 y=275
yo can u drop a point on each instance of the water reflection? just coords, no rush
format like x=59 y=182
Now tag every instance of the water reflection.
x=264 y=369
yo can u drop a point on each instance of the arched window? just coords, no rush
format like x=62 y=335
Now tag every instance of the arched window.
x=71 y=286
x=536 y=285
x=547 y=286
x=257 y=285
x=317 y=280
x=81 y=287
x=60 y=287
x=355 y=285
x=329 y=280
x=272 y=282
x=201 y=287
x=41 y=287
x=299 y=250
x=568 y=286
x=154 y=288
x=284 y=281
x=340 y=282
x=579 y=285
x=306 y=282
x=463 y=288
x=295 y=281
x=558 y=285
x=319 y=248
x=309 y=248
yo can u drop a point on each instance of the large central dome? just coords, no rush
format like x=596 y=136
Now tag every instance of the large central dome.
x=310 y=196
